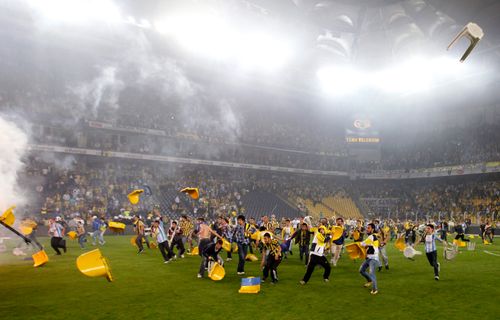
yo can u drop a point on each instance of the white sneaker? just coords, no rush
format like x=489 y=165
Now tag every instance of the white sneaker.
x=182 y=256
x=168 y=261
x=229 y=259
x=439 y=267
x=199 y=276
x=240 y=273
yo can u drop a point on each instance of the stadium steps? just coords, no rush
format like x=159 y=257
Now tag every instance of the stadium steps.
x=259 y=203
x=344 y=206
x=319 y=210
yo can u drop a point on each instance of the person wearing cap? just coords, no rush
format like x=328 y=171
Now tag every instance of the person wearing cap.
x=371 y=262
x=271 y=259
x=56 y=231
x=317 y=255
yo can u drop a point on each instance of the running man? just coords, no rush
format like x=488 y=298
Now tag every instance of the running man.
x=371 y=262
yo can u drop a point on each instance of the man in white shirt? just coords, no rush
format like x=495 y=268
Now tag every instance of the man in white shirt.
x=56 y=231
x=430 y=249
x=317 y=255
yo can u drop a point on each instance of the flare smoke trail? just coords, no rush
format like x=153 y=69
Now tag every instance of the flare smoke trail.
x=13 y=143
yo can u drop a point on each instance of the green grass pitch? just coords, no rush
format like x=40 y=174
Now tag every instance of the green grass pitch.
x=145 y=288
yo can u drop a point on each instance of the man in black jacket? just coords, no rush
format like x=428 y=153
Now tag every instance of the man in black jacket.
x=303 y=239
x=210 y=253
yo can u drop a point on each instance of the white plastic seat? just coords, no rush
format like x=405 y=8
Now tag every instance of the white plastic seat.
x=474 y=33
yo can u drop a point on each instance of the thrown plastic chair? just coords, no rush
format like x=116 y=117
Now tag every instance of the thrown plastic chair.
x=133 y=196
x=355 y=251
x=116 y=227
x=226 y=245
x=459 y=243
x=337 y=232
x=192 y=192
x=72 y=235
x=8 y=216
x=410 y=252
x=251 y=257
x=93 y=264
x=250 y=285
x=40 y=258
x=471 y=31
x=400 y=244
x=195 y=251
x=216 y=272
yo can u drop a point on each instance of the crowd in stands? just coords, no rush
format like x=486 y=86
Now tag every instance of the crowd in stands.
x=99 y=187
x=461 y=198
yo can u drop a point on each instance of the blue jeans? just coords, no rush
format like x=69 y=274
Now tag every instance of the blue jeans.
x=242 y=253
x=82 y=239
x=370 y=277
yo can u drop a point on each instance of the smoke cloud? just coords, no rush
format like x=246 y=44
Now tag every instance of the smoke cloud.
x=13 y=143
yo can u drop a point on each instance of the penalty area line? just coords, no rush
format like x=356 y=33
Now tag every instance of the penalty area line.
x=493 y=254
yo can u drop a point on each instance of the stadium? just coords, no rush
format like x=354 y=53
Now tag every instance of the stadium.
x=249 y=158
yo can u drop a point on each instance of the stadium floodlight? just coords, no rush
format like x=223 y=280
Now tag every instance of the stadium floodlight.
x=262 y=52
x=337 y=81
x=198 y=32
x=77 y=11
x=412 y=76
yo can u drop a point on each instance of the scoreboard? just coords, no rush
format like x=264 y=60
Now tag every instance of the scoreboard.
x=363 y=139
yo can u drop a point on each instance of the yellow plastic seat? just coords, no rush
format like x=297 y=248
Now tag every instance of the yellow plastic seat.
x=226 y=245
x=251 y=257
x=235 y=247
x=132 y=241
x=192 y=192
x=133 y=196
x=400 y=244
x=195 y=251
x=337 y=232
x=8 y=216
x=250 y=285
x=116 y=226
x=355 y=251
x=72 y=235
x=93 y=264
x=40 y=258
x=216 y=272
x=459 y=243
x=26 y=230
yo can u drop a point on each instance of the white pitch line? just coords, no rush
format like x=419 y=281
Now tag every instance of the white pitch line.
x=493 y=254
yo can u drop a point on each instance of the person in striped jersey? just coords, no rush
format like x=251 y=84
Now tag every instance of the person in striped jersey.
x=56 y=231
x=317 y=255
x=271 y=259
x=429 y=239
x=158 y=231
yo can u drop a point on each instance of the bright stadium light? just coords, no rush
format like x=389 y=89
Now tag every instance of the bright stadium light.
x=199 y=32
x=263 y=52
x=77 y=11
x=337 y=81
x=411 y=76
